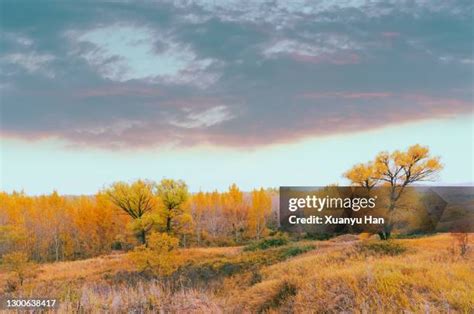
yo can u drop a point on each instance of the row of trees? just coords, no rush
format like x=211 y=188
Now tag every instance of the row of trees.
x=54 y=227
x=205 y=216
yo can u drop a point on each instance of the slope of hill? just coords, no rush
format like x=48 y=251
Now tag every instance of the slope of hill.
x=424 y=274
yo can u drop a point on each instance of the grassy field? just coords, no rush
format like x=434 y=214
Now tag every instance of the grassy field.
x=345 y=274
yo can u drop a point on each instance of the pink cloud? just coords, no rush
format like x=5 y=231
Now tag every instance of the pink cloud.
x=312 y=114
x=345 y=95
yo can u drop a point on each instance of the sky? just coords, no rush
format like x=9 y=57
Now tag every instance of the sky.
x=260 y=93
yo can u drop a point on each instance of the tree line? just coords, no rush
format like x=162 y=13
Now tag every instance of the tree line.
x=122 y=216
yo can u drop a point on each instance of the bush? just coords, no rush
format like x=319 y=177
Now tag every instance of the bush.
x=296 y=250
x=207 y=272
x=264 y=244
x=284 y=292
x=384 y=247
x=158 y=257
x=18 y=263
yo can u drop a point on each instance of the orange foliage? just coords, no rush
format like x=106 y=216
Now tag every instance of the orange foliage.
x=53 y=227
x=56 y=228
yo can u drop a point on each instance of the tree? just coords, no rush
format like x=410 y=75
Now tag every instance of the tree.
x=362 y=175
x=136 y=199
x=96 y=225
x=235 y=210
x=199 y=209
x=18 y=263
x=215 y=221
x=397 y=171
x=159 y=256
x=55 y=208
x=55 y=227
x=173 y=195
x=259 y=212
x=11 y=237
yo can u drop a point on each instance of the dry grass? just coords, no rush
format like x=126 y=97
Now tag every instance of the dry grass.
x=143 y=297
x=337 y=276
x=426 y=278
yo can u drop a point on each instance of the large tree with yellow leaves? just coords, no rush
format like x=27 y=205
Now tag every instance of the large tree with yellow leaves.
x=397 y=171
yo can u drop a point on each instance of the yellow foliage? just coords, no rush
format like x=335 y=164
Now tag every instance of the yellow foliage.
x=54 y=227
x=396 y=170
x=135 y=199
x=362 y=175
x=57 y=228
x=235 y=211
x=259 y=213
x=17 y=262
x=158 y=257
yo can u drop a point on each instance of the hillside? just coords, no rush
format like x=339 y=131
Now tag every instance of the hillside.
x=423 y=274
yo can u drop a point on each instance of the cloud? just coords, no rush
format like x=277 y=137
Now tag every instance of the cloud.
x=230 y=73
x=346 y=95
x=331 y=49
x=206 y=118
x=124 y=53
x=30 y=62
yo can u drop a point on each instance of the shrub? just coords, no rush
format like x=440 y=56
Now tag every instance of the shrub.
x=18 y=263
x=284 y=292
x=296 y=250
x=264 y=244
x=158 y=257
x=384 y=247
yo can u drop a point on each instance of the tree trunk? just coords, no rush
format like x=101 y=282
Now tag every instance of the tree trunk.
x=384 y=235
x=198 y=235
x=56 y=247
x=168 y=224
x=388 y=226
x=142 y=236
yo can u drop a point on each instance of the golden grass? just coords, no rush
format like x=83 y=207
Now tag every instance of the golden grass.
x=212 y=252
x=337 y=276
x=425 y=278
